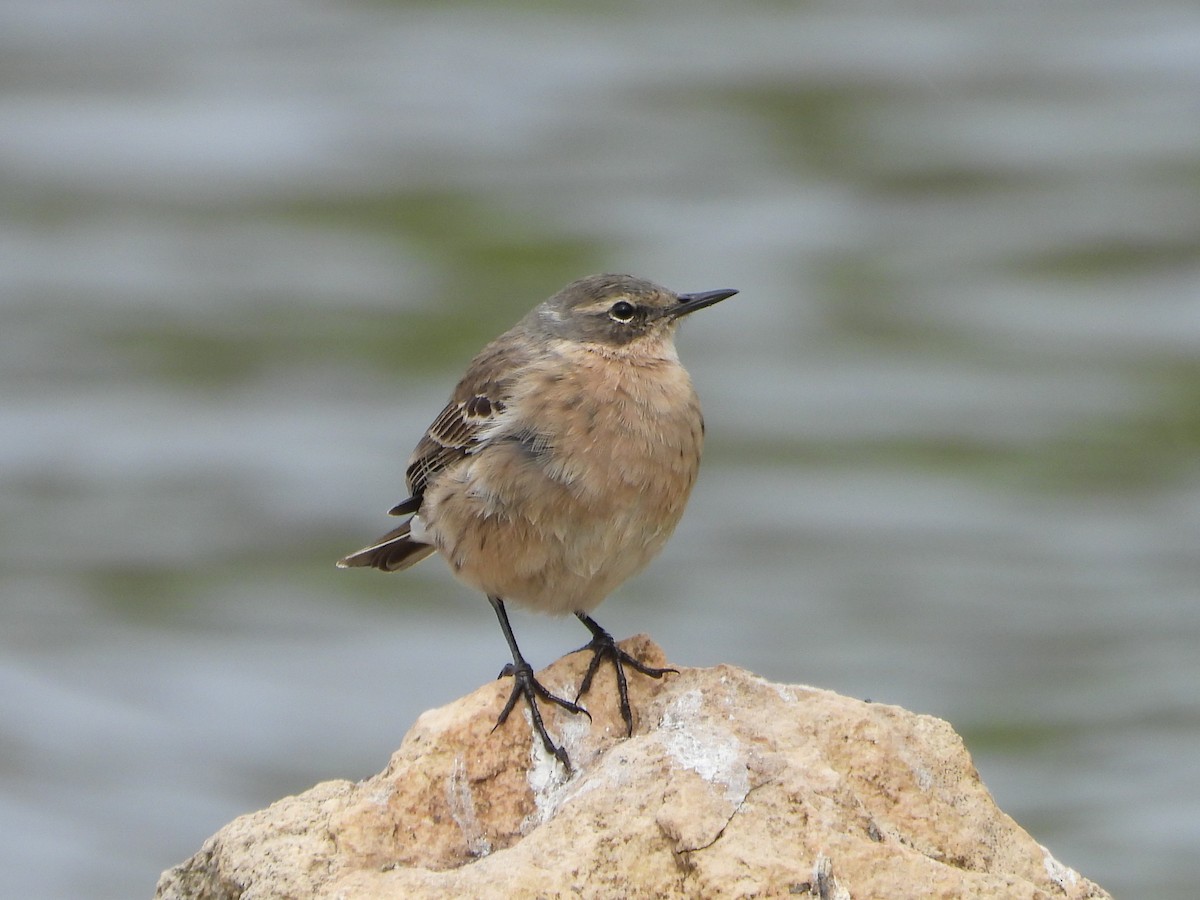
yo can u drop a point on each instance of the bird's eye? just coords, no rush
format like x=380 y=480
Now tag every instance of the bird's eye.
x=622 y=311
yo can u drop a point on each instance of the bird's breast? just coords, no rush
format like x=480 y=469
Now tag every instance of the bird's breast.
x=579 y=486
x=611 y=428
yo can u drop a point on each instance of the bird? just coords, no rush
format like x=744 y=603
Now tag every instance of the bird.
x=559 y=468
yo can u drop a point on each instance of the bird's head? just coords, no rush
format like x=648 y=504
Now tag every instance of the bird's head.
x=618 y=311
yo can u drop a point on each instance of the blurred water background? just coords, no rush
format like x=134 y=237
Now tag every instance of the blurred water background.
x=954 y=415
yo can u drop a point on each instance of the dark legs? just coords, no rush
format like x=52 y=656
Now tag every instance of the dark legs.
x=604 y=646
x=525 y=685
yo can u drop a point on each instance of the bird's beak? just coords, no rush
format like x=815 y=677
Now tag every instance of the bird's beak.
x=689 y=303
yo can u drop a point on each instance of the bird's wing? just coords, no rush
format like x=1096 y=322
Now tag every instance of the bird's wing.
x=463 y=426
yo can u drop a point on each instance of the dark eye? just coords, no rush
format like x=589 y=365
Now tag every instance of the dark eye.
x=622 y=311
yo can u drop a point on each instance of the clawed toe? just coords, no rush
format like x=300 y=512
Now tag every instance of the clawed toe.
x=604 y=646
x=526 y=686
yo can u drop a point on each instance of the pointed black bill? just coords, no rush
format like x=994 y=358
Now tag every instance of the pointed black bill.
x=689 y=303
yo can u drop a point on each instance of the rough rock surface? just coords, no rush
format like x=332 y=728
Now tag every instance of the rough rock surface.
x=730 y=787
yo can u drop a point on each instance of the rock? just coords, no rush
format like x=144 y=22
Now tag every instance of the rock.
x=730 y=787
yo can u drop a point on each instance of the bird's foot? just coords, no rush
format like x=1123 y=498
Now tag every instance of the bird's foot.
x=527 y=686
x=604 y=646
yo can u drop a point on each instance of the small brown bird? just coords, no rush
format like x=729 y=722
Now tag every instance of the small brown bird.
x=560 y=467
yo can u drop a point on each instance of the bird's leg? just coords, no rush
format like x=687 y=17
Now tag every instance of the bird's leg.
x=525 y=685
x=604 y=646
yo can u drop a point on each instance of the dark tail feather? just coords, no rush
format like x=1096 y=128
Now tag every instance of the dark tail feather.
x=411 y=505
x=392 y=552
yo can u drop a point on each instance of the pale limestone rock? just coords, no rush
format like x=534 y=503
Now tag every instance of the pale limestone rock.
x=730 y=787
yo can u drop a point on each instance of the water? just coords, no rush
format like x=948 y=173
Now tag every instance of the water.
x=953 y=462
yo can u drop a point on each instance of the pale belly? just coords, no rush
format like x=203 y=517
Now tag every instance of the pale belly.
x=558 y=532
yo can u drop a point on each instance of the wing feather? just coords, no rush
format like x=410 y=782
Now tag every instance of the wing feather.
x=461 y=429
x=464 y=424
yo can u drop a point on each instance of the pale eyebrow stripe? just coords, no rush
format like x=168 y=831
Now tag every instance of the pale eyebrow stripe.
x=603 y=305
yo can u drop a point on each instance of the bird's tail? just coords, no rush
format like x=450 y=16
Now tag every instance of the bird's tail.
x=394 y=551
